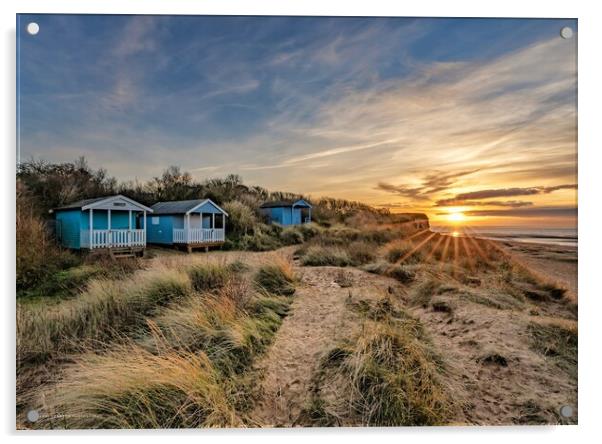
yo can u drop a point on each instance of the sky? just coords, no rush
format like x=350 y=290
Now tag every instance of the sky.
x=443 y=116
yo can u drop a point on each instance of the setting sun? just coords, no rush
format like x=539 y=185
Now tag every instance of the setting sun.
x=456 y=216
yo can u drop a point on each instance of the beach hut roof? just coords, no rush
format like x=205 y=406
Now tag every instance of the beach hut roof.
x=182 y=206
x=86 y=204
x=286 y=203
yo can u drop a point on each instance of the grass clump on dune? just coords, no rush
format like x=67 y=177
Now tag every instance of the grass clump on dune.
x=277 y=278
x=402 y=273
x=390 y=375
x=322 y=256
x=107 y=308
x=229 y=334
x=402 y=250
x=190 y=371
x=292 y=236
x=361 y=252
x=395 y=379
x=141 y=389
x=209 y=276
x=557 y=341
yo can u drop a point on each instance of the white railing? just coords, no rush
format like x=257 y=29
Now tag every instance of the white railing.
x=198 y=235
x=113 y=238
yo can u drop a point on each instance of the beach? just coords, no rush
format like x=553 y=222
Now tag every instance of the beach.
x=549 y=252
x=556 y=263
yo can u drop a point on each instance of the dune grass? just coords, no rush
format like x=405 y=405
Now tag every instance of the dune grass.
x=105 y=309
x=557 y=340
x=208 y=276
x=322 y=256
x=389 y=374
x=276 y=277
x=188 y=369
x=140 y=389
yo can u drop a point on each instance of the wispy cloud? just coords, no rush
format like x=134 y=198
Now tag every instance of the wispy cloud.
x=466 y=198
x=562 y=211
x=431 y=183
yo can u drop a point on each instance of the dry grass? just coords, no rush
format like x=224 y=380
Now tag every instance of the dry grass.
x=402 y=250
x=38 y=257
x=276 y=277
x=106 y=309
x=557 y=340
x=187 y=370
x=208 y=276
x=322 y=256
x=389 y=374
x=140 y=389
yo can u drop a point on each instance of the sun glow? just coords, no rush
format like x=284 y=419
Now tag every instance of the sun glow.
x=456 y=216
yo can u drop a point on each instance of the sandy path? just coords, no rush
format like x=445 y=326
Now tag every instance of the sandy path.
x=319 y=317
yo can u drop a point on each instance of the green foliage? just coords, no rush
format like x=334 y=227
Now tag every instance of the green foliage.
x=38 y=258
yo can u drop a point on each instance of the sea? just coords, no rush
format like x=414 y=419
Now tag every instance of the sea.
x=549 y=236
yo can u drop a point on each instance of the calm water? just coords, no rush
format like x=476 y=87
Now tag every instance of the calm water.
x=551 y=236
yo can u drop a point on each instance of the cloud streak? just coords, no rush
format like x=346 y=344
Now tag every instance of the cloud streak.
x=540 y=212
x=431 y=183
x=466 y=198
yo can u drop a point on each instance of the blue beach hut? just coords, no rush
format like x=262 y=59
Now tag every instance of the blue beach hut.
x=189 y=223
x=287 y=212
x=114 y=222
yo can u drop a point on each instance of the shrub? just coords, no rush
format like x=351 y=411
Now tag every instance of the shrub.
x=38 y=258
x=361 y=252
x=322 y=256
x=399 y=250
x=259 y=240
x=380 y=236
x=401 y=273
x=241 y=220
x=310 y=230
x=338 y=235
x=292 y=236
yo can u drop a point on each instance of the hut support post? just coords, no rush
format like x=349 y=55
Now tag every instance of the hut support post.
x=91 y=229
x=109 y=237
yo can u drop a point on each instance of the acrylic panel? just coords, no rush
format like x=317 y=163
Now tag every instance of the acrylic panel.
x=270 y=221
